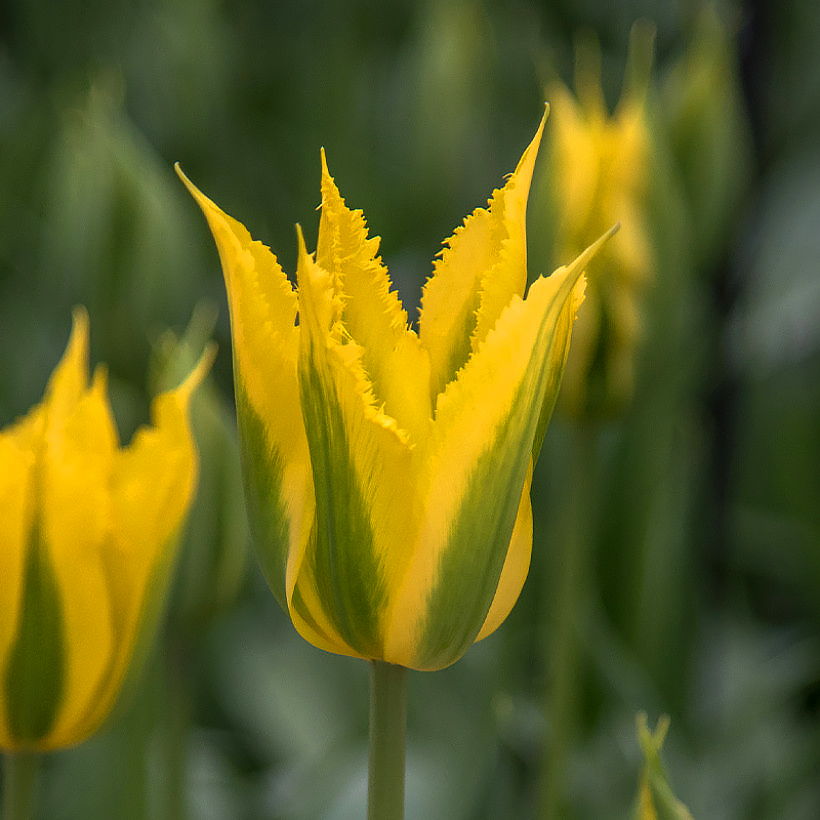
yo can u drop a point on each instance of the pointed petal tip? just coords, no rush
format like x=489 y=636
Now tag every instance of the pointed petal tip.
x=600 y=242
x=80 y=325
x=77 y=349
x=181 y=174
x=300 y=241
x=203 y=201
x=200 y=371
x=536 y=140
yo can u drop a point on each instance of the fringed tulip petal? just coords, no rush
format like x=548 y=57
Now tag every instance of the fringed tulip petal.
x=482 y=266
x=396 y=364
x=275 y=460
x=417 y=451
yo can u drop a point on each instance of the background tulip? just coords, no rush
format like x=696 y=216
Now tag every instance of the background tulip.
x=87 y=543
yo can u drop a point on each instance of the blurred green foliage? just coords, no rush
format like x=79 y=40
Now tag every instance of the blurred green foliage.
x=697 y=593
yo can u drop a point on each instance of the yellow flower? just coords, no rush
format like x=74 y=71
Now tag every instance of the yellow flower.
x=386 y=471
x=600 y=166
x=87 y=533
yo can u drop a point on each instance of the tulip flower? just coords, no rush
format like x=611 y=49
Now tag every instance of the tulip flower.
x=387 y=471
x=87 y=539
x=600 y=173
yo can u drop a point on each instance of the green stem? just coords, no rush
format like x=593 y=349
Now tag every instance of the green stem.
x=20 y=785
x=388 y=719
x=567 y=588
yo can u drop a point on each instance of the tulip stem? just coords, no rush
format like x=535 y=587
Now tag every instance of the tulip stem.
x=19 y=786
x=568 y=585
x=388 y=720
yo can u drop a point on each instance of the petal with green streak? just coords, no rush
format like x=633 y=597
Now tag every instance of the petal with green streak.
x=76 y=525
x=483 y=264
x=152 y=483
x=275 y=459
x=65 y=632
x=308 y=612
x=33 y=683
x=516 y=565
x=396 y=364
x=18 y=444
x=361 y=472
x=473 y=469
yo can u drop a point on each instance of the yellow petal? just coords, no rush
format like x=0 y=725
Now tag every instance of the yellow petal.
x=70 y=378
x=152 y=483
x=483 y=264
x=263 y=309
x=396 y=365
x=76 y=524
x=507 y=276
x=18 y=445
x=516 y=565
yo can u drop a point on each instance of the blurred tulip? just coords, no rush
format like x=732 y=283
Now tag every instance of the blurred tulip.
x=709 y=134
x=387 y=472
x=87 y=539
x=599 y=174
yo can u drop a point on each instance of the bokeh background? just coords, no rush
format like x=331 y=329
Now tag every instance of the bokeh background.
x=676 y=567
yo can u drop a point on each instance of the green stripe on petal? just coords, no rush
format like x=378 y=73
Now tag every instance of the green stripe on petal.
x=268 y=501
x=348 y=575
x=35 y=674
x=263 y=472
x=360 y=463
x=469 y=568
x=308 y=613
x=17 y=478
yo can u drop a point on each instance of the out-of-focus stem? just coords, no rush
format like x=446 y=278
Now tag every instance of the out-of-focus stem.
x=567 y=589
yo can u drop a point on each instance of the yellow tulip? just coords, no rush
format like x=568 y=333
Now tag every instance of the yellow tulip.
x=87 y=535
x=599 y=173
x=387 y=471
